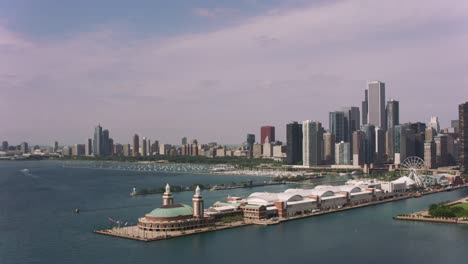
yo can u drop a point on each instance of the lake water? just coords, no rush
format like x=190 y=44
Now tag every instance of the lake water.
x=38 y=225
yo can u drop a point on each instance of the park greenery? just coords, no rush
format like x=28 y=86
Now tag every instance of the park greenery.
x=441 y=210
x=232 y=218
x=238 y=162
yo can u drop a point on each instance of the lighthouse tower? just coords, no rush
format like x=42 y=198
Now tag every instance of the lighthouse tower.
x=198 y=209
x=167 y=196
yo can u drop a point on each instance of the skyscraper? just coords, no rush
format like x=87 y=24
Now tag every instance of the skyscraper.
x=463 y=130
x=352 y=120
x=126 y=150
x=379 y=145
x=55 y=147
x=393 y=119
x=184 y=141
x=441 y=150
x=337 y=125
x=294 y=143
x=250 y=143
x=97 y=142
x=144 y=145
x=434 y=123
x=419 y=138
x=328 y=148
x=24 y=147
x=369 y=143
x=89 y=147
x=342 y=153
x=267 y=131
x=5 y=145
x=429 y=154
x=376 y=104
x=365 y=105
x=106 y=144
x=136 y=145
x=358 y=148
x=312 y=143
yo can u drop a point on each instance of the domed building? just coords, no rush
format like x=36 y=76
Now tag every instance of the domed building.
x=175 y=216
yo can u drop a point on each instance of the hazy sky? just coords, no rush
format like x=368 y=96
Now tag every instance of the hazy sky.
x=217 y=70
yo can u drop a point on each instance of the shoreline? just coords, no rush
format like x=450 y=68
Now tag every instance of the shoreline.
x=423 y=216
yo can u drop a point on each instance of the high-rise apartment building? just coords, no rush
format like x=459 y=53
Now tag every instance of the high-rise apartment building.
x=393 y=119
x=376 y=104
x=352 y=119
x=342 y=153
x=250 y=143
x=106 y=146
x=24 y=147
x=393 y=113
x=127 y=152
x=429 y=155
x=369 y=143
x=56 y=146
x=434 y=123
x=358 y=148
x=294 y=143
x=463 y=130
x=136 y=145
x=380 y=150
x=97 y=142
x=5 y=145
x=312 y=134
x=337 y=125
x=89 y=147
x=155 y=147
x=144 y=145
x=365 y=105
x=441 y=150
x=328 y=148
x=184 y=141
x=267 y=131
x=257 y=151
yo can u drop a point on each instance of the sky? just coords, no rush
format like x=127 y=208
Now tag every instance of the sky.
x=217 y=70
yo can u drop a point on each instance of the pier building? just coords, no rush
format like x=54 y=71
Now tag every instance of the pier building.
x=175 y=216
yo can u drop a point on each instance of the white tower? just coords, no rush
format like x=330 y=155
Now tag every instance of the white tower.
x=198 y=209
x=167 y=196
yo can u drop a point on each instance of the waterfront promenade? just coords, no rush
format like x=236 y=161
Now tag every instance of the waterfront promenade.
x=134 y=233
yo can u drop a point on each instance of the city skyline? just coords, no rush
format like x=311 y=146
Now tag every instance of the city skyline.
x=106 y=71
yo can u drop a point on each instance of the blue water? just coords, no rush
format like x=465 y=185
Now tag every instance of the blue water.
x=37 y=224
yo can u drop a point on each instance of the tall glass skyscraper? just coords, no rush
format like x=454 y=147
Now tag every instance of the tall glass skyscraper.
x=393 y=119
x=294 y=143
x=337 y=125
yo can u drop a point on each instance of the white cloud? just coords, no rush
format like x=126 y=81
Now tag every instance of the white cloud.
x=284 y=65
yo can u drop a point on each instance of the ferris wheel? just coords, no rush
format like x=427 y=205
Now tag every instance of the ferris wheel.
x=415 y=168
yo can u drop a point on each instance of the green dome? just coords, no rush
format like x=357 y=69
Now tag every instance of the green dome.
x=171 y=211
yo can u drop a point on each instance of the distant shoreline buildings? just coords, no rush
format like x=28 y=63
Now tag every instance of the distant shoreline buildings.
x=368 y=137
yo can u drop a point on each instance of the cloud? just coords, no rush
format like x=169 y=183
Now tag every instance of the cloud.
x=284 y=65
x=212 y=13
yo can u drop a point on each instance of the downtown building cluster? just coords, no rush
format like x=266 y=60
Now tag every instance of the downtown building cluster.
x=374 y=137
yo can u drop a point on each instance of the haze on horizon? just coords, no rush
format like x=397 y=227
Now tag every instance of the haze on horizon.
x=217 y=70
